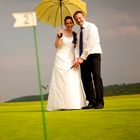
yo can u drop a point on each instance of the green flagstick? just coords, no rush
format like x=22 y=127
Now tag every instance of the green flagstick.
x=40 y=84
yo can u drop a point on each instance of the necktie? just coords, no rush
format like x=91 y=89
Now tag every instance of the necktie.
x=81 y=41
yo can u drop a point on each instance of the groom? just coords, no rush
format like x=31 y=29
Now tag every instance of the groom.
x=90 y=61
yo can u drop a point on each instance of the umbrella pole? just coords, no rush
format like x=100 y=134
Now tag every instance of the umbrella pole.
x=40 y=84
x=61 y=12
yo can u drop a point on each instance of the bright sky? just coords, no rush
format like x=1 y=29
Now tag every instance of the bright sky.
x=119 y=27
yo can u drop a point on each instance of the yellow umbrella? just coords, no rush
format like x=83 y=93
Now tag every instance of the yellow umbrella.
x=53 y=12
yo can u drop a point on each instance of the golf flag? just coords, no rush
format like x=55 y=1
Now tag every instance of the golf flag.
x=26 y=19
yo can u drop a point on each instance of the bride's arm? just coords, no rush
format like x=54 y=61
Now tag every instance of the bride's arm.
x=59 y=40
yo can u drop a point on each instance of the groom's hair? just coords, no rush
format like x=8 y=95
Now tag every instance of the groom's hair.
x=77 y=12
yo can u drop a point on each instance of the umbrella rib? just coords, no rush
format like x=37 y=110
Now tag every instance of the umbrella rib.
x=56 y=16
x=67 y=9
x=46 y=9
x=66 y=3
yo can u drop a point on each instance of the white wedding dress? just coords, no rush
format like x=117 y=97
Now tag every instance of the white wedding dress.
x=66 y=89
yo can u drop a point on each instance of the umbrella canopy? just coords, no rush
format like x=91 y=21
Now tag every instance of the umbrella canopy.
x=53 y=12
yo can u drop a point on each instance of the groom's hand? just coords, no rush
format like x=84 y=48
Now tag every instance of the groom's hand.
x=80 y=60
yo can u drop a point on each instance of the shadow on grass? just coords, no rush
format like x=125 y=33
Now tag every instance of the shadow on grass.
x=21 y=111
x=94 y=110
x=118 y=110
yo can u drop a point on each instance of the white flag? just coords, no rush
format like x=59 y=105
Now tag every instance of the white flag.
x=26 y=19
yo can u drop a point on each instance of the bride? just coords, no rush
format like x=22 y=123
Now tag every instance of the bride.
x=66 y=89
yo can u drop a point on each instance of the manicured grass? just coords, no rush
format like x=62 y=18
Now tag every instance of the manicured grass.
x=119 y=120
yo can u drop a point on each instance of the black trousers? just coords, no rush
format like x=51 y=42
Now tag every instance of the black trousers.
x=91 y=75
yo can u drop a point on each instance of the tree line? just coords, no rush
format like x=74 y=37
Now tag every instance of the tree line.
x=111 y=90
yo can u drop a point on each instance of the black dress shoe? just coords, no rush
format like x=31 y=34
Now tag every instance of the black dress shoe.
x=90 y=106
x=99 y=106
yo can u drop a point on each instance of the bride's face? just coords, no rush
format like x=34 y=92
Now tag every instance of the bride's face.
x=69 y=24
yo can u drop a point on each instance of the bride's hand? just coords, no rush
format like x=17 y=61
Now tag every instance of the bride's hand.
x=76 y=64
x=60 y=33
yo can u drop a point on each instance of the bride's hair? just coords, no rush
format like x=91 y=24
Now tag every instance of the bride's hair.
x=74 y=38
x=68 y=17
x=74 y=33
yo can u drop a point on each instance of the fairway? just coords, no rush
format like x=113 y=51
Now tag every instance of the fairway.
x=119 y=120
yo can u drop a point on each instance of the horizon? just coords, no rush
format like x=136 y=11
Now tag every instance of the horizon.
x=47 y=93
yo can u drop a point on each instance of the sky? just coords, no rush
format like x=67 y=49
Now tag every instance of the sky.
x=119 y=28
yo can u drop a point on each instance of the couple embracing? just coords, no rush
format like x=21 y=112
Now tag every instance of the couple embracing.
x=77 y=67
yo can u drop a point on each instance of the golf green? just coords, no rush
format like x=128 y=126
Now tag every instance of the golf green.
x=119 y=120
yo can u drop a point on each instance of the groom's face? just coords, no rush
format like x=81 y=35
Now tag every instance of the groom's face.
x=80 y=19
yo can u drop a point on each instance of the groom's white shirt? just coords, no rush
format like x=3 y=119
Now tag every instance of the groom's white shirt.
x=91 y=41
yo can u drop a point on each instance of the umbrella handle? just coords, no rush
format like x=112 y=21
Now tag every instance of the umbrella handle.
x=60 y=35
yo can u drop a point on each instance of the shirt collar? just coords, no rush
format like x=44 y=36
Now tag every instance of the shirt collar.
x=85 y=24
